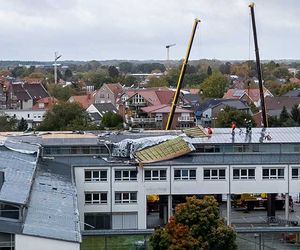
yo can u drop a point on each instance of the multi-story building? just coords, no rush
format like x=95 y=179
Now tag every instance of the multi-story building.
x=113 y=183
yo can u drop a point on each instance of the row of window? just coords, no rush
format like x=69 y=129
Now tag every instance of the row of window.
x=101 y=197
x=190 y=174
x=73 y=150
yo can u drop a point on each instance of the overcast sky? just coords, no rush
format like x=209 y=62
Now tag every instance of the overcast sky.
x=140 y=29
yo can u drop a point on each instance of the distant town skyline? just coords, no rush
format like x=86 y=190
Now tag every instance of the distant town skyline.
x=140 y=29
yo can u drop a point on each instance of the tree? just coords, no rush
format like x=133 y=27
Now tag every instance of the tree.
x=68 y=74
x=209 y=71
x=113 y=72
x=111 y=120
x=7 y=123
x=229 y=115
x=295 y=113
x=61 y=93
x=157 y=82
x=195 y=225
x=66 y=116
x=281 y=72
x=215 y=85
x=22 y=125
x=285 y=118
x=126 y=67
x=225 y=68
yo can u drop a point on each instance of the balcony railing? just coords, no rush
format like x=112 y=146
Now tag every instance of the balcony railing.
x=143 y=120
x=185 y=119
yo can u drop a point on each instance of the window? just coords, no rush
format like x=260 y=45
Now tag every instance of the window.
x=155 y=175
x=273 y=173
x=295 y=173
x=185 y=174
x=243 y=173
x=94 y=221
x=125 y=197
x=95 y=198
x=95 y=175
x=126 y=175
x=214 y=174
x=137 y=99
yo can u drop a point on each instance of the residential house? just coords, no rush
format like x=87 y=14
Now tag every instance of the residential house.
x=295 y=80
x=133 y=102
x=84 y=100
x=45 y=103
x=293 y=93
x=108 y=93
x=248 y=95
x=208 y=111
x=274 y=105
x=157 y=117
x=97 y=110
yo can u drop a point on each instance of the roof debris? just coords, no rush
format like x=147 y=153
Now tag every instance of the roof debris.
x=164 y=151
x=196 y=132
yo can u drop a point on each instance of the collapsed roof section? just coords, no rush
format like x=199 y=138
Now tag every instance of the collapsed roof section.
x=164 y=151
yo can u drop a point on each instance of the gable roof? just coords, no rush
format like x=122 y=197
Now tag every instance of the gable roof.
x=105 y=107
x=36 y=90
x=21 y=93
x=84 y=100
x=253 y=94
x=234 y=103
x=164 y=108
x=293 y=93
x=274 y=105
x=116 y=88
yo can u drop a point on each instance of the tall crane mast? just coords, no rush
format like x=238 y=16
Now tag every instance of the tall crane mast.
x=180 y=79
x=168 y=52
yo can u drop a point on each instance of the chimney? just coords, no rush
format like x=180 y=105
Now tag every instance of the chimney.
x=1 y=179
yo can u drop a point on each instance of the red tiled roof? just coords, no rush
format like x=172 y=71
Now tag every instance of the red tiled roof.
x=164 y=109
x=48 y=101
x=116 y=88
x=254 y=94
x=84 y=100
x=155 y=96
x=294 y=80
x=194 y=91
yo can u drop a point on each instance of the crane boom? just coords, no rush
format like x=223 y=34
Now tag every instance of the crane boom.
x=258 y=67
x=180 y=79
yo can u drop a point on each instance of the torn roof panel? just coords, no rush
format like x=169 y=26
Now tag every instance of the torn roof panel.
x=164 y=151
x=196 y=132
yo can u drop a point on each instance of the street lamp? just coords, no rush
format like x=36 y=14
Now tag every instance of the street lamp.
x=56 y=57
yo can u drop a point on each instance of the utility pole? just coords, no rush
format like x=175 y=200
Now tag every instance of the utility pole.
x=168 y=52
x=56 y=57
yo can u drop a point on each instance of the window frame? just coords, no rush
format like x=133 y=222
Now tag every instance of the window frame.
x=95 y=179
x=130 y=177
x=186 y=177
x=295 y=177
x=241 y=176
x=214 y=174
x=94 y=200
x=272 y=176
x=126 y=197
x=154 y=178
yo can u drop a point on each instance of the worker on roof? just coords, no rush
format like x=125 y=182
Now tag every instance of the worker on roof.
x=209 y=130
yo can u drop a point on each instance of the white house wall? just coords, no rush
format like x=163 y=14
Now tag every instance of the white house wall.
x=24 y=242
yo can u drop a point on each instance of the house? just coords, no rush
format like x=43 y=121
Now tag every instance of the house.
x=108 y=93
x=248 y=95
x=157 y=116
x=295 y=80
x=133 y=101
x=84 y=100
x=208 y=111
x=45 y=103
x=293 y=93
x=97 y=110
x=274 y=105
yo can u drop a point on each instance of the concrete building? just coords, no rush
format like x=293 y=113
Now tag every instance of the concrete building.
x=38 y=202
x=113 y=185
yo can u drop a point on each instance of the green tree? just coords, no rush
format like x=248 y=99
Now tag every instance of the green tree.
x=112 y=120
x=61 y=93
x=209 y=71
x=126 y=67
x=66 y=116
x=295 y=113
x=157 y=82
x=229 y=115
x=7 y=123
x=68 y=74
x=214 y=86
x=22 y=125
x=225 y=68
x=195 y=225
x=113 y=72
x=285 y=119
x=281 y=72
x=298 y=74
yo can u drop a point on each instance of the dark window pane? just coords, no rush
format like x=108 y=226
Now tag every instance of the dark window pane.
x=133 y=196
x=236 y=173
x=155 y=173
x=133 y=175
x=177 y=173
x=95 y=174
x=206 y=173
x=117 y=174
x=103 y=197
x=251 y=172
x=222 y=173
x=87 y=175
x=265 y=172
x=193 y=173
x=103 y=174
x=295 y=172
x=88 y=197
x=163 y=174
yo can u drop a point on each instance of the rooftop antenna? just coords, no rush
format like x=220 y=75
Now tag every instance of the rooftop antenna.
x=168 y=52
x=56 y=57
